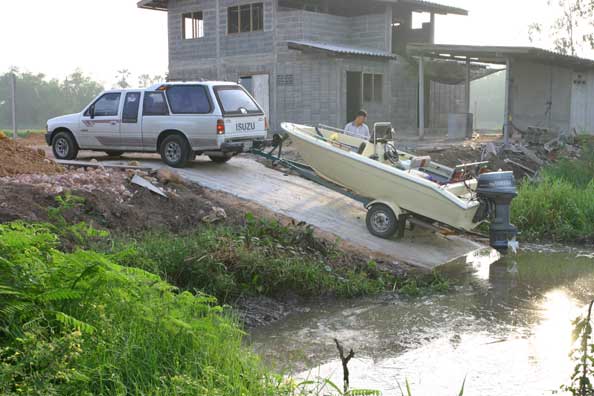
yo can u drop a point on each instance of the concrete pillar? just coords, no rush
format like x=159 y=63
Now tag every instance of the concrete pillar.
x=432 y=28
x=218 y=47
x=467 y=88
x=14 y=112
x=507 y=110
x=421 y=98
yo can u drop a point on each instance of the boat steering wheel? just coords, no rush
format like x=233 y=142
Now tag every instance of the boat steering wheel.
x=391 y=153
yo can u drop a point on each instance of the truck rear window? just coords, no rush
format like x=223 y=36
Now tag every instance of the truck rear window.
x=234 y=100
x=188 y=99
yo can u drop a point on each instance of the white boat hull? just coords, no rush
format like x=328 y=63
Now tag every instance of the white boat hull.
x=401 y=190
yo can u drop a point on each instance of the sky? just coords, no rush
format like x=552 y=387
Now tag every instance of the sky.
x=55 y=37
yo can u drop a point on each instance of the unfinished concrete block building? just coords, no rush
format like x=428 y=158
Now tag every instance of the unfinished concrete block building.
x=311 y=61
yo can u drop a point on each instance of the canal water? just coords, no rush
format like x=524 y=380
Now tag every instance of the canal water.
x=504 y=328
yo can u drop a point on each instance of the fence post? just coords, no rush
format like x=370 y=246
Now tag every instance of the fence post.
x=14 y=119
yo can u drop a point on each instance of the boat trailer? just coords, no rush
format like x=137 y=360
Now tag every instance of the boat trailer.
x=272 y=150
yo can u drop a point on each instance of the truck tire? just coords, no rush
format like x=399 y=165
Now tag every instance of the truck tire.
x=220 y=160
x=175 y=151
x=382 y=222
x=64 y=146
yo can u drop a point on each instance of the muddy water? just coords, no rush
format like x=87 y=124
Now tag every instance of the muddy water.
x=505 y=327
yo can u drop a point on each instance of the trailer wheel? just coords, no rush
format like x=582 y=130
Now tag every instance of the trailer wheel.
x=382 y=222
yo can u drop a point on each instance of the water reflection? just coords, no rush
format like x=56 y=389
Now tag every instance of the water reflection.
x=505 y=327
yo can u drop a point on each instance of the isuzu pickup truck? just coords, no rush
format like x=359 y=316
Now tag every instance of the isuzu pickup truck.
x=176 y=120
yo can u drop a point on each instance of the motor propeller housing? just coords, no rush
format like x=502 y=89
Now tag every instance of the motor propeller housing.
x=497 y=190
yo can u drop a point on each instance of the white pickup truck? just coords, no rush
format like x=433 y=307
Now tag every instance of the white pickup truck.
x=177 y=120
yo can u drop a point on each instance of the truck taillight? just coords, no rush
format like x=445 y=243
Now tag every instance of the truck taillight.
x=266 y=126
x=220 y=127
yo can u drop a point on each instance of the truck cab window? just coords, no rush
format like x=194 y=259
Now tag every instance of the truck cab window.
x=131 y=106
x=107 y=105
x=154 y=104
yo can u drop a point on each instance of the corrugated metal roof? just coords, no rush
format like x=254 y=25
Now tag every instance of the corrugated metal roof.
x=420 y=5
x=339 y=49
x=498 y=54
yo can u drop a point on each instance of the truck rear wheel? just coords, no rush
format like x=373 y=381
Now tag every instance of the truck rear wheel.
x=175 y=151
x=64 y=146
x=382 y=222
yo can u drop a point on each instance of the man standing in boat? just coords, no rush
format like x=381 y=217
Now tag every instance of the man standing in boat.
x=358 y=128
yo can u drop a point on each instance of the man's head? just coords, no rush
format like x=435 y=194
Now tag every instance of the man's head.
x=360 y=118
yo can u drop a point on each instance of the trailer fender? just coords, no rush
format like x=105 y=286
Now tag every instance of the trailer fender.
x=395 y=208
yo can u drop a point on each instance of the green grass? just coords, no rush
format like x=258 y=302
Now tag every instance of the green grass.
x=22 y=133
x=262 y=258
x=559 y=206
x=80 y=324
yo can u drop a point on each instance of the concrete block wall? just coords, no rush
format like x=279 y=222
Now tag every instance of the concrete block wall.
x=310 y=94
x=405 y=97
x=183 y=53
x=259 y=42
x=369 y=31
x=541 y=95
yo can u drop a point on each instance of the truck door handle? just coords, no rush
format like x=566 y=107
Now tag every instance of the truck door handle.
x=114 y=123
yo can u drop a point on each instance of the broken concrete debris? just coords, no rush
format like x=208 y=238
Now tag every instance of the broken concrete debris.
x=168 y=176
x=217 y=214
x=139 y=181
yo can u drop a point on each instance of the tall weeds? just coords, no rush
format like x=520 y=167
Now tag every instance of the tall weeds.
x=80 y=324
x=559 y=206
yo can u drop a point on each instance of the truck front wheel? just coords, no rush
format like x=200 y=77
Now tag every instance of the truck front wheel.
x=175 y=151
x=64 y=146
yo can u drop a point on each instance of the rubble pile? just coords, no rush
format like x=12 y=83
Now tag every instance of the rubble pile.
x=535 y=147
x=18 y=159
x=79 y=179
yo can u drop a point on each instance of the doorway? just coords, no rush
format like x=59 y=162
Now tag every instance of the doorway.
x=258 y=86
x=354 y=94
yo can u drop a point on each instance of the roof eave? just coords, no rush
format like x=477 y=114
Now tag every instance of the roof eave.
x=157 y=5
x=435 y=8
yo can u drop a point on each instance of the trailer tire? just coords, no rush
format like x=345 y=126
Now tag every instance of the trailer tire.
x=382 y=222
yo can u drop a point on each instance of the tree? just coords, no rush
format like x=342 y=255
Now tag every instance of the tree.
x=123 y=76
x=572 y=29
x=39 y=99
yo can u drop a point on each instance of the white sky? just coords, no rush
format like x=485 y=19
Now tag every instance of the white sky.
x=55 y=37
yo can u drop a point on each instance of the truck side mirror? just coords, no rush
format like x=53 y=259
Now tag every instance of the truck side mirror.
x=92 y=112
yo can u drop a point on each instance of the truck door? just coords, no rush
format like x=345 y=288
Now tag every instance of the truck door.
x=155 y=118
x=131 y=129
x=100 y=123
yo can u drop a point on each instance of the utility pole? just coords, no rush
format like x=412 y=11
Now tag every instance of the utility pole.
x=14 y=119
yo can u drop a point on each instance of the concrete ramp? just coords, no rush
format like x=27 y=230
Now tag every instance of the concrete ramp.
x=325 y=209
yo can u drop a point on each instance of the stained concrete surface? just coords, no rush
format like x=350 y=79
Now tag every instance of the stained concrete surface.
x=324 y=209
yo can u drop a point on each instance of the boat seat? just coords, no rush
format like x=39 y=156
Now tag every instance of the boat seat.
x=420 y=162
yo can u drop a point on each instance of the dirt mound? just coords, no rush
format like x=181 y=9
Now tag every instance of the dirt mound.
x=110 y=201
x=17 y=159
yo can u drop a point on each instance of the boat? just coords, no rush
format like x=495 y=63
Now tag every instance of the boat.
x=400 y=187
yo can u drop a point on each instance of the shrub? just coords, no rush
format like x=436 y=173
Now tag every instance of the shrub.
x=80 y=324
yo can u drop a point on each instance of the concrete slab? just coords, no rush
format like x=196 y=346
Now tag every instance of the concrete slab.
x=327 y=210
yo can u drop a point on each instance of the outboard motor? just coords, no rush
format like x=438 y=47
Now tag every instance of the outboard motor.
x=496 y=190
